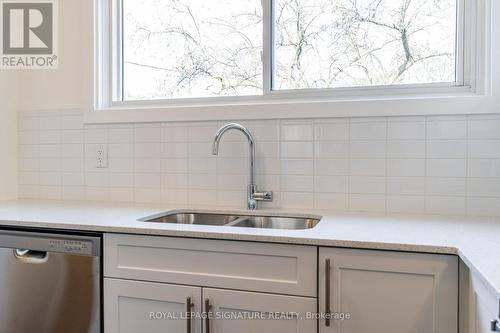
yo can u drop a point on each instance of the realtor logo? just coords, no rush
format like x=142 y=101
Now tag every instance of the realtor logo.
x=28 y=34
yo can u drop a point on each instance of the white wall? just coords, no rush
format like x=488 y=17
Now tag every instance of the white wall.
x=8 y=135
x=448 y=165
x=70 y=85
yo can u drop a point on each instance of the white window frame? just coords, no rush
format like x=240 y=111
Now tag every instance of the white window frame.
x=471 y=93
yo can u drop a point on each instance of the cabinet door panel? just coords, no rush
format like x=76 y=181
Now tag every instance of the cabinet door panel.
x=134 y=306
x=260 y=267
x=485 y=306
x=246 y=312
x=389 y=292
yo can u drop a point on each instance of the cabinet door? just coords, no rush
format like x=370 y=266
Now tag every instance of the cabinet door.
x=248 y=312
x=133 y=306
x=388 y=292
x=485 y=306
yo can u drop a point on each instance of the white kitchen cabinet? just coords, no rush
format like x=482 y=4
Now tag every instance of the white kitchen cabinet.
x=388 y=292
x=135 y=307
x=249 y=312
x=484 y=306
x=261 y=267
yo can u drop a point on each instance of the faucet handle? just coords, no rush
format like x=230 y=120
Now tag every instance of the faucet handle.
x=263 y=196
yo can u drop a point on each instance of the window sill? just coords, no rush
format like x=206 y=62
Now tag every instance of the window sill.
x=462 y=101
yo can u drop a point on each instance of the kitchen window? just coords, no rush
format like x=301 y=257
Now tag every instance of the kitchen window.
x=181 y=53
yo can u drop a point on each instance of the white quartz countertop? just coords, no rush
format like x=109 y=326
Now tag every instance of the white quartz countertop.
x=476 y=241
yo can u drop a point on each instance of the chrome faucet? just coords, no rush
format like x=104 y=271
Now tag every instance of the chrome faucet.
x=253 y=195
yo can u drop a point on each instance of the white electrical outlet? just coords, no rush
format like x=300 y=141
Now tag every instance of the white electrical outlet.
x=102 y=157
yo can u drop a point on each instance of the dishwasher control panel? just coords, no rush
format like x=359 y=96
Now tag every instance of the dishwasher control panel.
x=70 y=246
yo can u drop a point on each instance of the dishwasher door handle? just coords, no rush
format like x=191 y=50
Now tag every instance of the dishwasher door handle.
x=31 y=256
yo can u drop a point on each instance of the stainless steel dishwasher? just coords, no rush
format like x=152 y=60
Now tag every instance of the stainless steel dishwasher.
x=49 y=283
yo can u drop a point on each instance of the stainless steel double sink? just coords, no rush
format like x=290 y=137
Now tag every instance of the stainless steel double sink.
x=236 y=220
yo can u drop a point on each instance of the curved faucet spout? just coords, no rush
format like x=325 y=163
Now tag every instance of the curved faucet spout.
x=253 y=195
x=251 y=142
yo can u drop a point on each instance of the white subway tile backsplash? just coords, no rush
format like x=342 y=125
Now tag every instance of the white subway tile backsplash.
x=331 y=184
x=72 y=150
x=28 y=123
x=97 y=179
x=50 y=192
x=435 y=165
x=489 y=168
x=232 y=182
x=202 y=182
x=368 y=149
x=331 y=131
x=121 y=180
x=442 y=130
x=147 y=134
x=174 y=181
x=174 y=196
x=487 y=207
x=406 y=130
x=297 y=200
x=484 y=129
x=147 y=195
x=446 y=186
x=331 y=166
x=406 y=149
x=29 y=151
x=73 y=192
x=297 y=131
x=202 y=197
x=73 y=136
x=406 y=167
x=96 y=135
x=118 y=150
x=447 y=149
x=147 y=180
x=49 y=137
x=147 y=165
x=297 y=183
x=405 y=204
x=174 y=165
x=29 y=178
x=178 y=150
x=367 y=185
x=484 y=149
x=331 y=201
x=147 y=150
x=297 y=149
x=446 y=168
x=483 y=187
x=297 y=167
x=50 y=123
x=368 y=131
x=73 y=179
x=368 y=167
x=117 y=165
x=202 y=165
x=443 y=205
x=406 y=185
x=72 y=165
x=72 y=121
x=367 y=203
x=174 y=134
x=121 y=194
x=121 y=135
x=324 y=149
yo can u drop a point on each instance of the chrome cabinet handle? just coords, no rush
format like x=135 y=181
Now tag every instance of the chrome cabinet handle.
x=327 y=292
x=208 y=307
x=188 y=314
x=495 y=326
